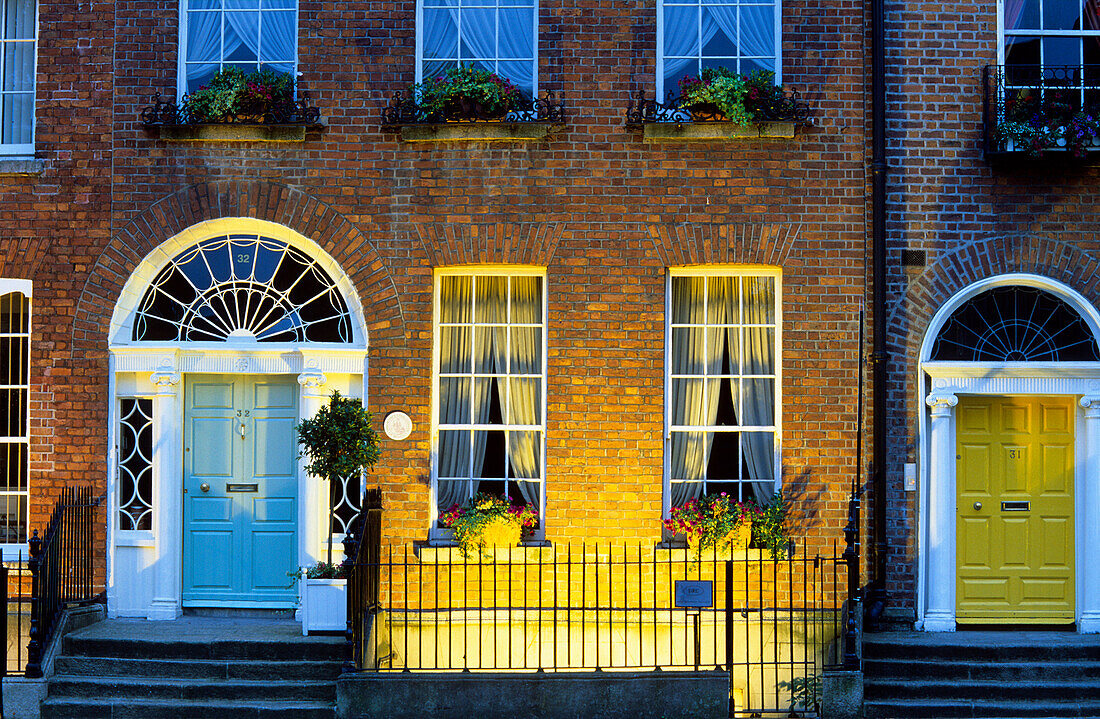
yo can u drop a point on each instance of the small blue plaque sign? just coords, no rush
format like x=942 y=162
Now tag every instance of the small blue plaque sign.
x=694 y=593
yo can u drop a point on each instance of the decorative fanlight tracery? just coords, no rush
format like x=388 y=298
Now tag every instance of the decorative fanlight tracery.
x=1016 y=324
x=243 y=288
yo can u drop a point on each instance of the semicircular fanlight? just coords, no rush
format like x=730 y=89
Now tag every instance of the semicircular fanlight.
x=243 y=288
x=1016 y=324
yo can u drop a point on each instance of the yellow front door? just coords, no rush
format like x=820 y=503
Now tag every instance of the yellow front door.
x=1014 y=527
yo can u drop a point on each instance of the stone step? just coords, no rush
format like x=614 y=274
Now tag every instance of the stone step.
x=317 y=649
x=961 y=646
x=985 y=690
x=190 y=690
x=923 y=709
x=106 y=708
x=895 y=670
x=197 y=668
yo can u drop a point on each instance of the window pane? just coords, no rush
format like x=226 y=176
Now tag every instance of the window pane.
x=758 y=402
x=13 y=413
x=1061 y=51
x=17 y=113
x=490 y=454
x=1059 y=14
x=524 y=454
x=491 y=300
x=203 y=36
x=451 y=492
x=681 y=32
x=1020 y=14
x=720 y=32
x=757 y=29
x=454 y=400
x=285 y=4
x=526 y=350
x=516 y=34
x=19 y=17
x=687 y=403
x=454 y=298
x=759 y=300
x=524 y=401
x=242 y=36
x=13 y=360
x=490 y=350
x=277 y=36
x=479 y=34
x=521 y=73
x=759 y=351
x=454 y=349
x=13 y=466
x=724 y=461
x=1022 y=60
x=688 y=456
x=18 y=66
x=527 y=300
x=758 y=451
x=454 y=453
x=441 y=41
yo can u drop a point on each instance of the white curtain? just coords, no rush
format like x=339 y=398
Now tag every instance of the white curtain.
x=454 y=408
x=242 y=27
x=524 y=403
x=757 y=36
x=694 y=403
x=479 y=34
x=758 y=399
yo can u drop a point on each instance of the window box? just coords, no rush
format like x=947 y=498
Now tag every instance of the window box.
x=324 y=605
x=170 y=122
x=1029 y=112
x=404 y=115
x=679 y=120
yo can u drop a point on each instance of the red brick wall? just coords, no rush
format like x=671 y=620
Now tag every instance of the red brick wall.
x=973 y=219
x=605 y=211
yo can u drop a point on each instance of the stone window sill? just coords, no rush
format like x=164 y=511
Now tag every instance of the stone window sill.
x=722 y=131
x=476 y=131
x=442 y=552
x=224 y=132
x=675 y=553
x=21 y=166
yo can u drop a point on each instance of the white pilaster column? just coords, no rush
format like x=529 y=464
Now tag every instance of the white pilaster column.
x=167 y=496
x=1088 y=561
x=312 y=491
x=940 y=613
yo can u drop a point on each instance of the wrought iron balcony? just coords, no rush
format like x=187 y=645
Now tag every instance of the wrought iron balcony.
x=1029 y=111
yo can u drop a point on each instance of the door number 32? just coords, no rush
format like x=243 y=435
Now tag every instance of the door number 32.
x=243 y=412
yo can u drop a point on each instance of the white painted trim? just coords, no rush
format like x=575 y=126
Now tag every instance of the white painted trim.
x=659 y=79
x=939 y=379
x=482 y=270
x=777 y=414
x=24 y=286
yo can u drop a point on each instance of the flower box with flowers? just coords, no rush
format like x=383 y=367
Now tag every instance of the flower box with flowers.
x=469 y=103
x=722 y=104
x=1033 y=122
x=486 y=522
x=235 y=105
x=715 y=523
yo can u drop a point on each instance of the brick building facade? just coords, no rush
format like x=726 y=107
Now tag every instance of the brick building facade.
x=598 y=210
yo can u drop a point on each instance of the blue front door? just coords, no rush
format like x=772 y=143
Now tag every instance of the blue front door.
x=240 y=491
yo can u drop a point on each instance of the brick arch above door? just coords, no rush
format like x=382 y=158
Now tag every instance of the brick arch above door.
x=268 y=201
x=960 y=267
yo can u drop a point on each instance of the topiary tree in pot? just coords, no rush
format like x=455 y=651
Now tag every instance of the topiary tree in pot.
x=339 y=441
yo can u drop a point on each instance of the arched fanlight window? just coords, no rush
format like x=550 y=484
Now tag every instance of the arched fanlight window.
x=1016 y=324
x=242 y=287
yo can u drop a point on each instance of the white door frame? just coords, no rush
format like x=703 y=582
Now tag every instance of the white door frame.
x=144 y=568
x=938 y=386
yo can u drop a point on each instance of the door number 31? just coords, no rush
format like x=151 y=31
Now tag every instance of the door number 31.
x=1012 y=453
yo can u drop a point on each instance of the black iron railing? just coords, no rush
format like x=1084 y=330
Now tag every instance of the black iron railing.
x=165 y=113
x=362 y=560
x=15 y=575
x=774 y=625
x=1029 y=110
x=642 y=110
x=62 y=572
x=404 y=110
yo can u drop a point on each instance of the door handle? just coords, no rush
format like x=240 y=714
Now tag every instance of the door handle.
x=240 y=428
x=977 y=505
x=204 y=487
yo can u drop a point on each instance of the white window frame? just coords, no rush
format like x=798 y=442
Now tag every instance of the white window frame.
x=1002 y=34
x=24 y=149
x=777 y=411
x=12 y=550
x=436 y=532
x=181 y=70
x=663 y=91
x=534 y=43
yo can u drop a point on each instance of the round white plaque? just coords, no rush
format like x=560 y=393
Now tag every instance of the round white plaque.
x=397 y=425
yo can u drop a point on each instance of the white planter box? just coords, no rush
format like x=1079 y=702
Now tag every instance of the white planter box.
x=324 y=605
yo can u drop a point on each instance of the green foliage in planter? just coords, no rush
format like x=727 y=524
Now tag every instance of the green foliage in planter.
x=233 y=93
x=461 y=92
x=743 y=99
x=769 y=529
x=487 y=521
x=339 y=441
x=326 y=570
x=1035 y=122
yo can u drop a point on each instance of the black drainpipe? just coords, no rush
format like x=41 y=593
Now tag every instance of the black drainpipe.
x=879 y=356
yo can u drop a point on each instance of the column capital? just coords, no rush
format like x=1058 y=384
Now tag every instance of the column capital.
x=165 y=381
x=1091 y=405
x=312 y=381
x=941 y=403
